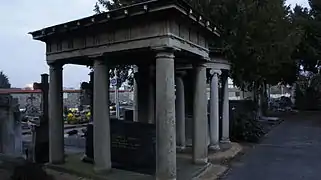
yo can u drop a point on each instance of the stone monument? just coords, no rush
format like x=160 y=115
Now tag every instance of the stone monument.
x=10 y=126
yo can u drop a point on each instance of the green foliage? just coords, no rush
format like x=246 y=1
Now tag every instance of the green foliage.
x=246 y=128
x=258 y=37
x=308 y=93
x=308 y=51
x=4 y=81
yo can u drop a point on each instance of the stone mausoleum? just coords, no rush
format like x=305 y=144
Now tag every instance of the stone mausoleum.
x=168 y=42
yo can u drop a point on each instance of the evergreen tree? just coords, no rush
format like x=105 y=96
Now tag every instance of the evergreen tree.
x=4 y=81
x=257 y=36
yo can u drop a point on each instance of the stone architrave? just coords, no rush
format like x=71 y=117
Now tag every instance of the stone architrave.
x=165 y=116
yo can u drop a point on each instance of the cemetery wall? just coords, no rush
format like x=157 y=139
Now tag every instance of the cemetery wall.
x=71 y=98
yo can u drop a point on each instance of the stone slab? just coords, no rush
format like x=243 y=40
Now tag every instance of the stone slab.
x=185 y=170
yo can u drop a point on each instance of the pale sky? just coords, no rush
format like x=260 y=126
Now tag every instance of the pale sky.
x=22 y=58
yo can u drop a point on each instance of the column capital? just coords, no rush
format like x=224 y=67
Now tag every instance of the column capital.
x=215 y=72
x=165 y=48
x=55 y=66
x=99 y=62
x=164 y=54
x=201 y=65
x=135 y=68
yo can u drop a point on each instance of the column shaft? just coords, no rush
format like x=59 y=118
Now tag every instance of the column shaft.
x=200 y=133
x=135 y=94
x=102 y=156
x=56 y=122
x=226 y=116
x=180 y=113
x=143 y=92
x=214 y=112
x=165 y=117
x=151 y=96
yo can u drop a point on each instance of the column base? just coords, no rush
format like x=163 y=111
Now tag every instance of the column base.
x=180 y=148
x=225 y=141
x=161 y=178
x=57 y=162
x=225 y=144
x=102 y=171
x=214 y=147
x=85 y=158
x=200 y=161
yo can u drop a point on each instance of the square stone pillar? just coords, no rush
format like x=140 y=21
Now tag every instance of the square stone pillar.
x=200 y=132
x=214 y=111
x=102 y=157
x=165 y=116
x=56 y=121
x=226 y=109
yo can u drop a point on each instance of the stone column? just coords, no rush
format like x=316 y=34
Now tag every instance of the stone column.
x=180 y=111
x=214 y=111
x=165 y=116
x=226 y=117
x=151 y=96
x=135 y=94
x=102 y=156
x=56 y=122
x=200 y=133
x=143 y=93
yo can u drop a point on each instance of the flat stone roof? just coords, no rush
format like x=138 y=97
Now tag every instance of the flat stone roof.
x=129 y=11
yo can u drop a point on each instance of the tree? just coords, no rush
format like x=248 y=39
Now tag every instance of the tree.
x=308 y=52
x=4 y=81
x=258 y=37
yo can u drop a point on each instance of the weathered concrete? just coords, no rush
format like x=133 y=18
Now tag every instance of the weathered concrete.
x=10 y=126
x=180 y=112
x=290 y=151
x=102 y=157
x=226 y=117
x=56 y=123
x=165 y=116
x=200 y=134
x=214 y=111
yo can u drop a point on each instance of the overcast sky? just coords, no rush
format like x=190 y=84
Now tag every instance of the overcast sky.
x=22 y=58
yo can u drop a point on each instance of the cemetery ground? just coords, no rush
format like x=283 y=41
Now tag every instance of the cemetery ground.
x=290 y=150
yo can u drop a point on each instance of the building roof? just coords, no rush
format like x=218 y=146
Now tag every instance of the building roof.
x=131 y=10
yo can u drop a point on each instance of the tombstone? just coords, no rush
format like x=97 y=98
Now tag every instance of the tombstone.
x=133 y=146
x=10 y=126
x=129 y=115
x=41 y=146
x=87 y=93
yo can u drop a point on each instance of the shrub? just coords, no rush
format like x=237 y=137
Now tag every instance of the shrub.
x=30 y=171
x=246 y=128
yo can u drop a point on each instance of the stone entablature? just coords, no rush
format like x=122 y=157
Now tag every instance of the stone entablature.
x=145 y=25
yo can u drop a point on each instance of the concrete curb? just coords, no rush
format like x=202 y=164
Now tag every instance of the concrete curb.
x=65 y=128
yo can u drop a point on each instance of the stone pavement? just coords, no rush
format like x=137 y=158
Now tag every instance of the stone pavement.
x=290 y=151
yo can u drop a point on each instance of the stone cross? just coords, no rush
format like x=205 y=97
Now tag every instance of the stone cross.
x=41 y=144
